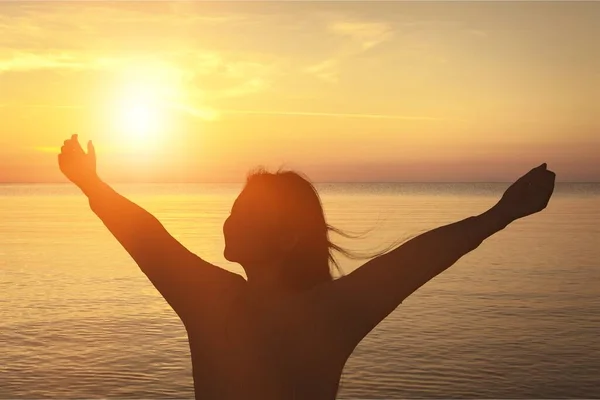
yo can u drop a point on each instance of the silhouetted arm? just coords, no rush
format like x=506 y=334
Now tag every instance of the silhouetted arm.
x=354 y=304
x=184 y=279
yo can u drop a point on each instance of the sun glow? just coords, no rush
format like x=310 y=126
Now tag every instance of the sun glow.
x=143 y=101
x=140 y=119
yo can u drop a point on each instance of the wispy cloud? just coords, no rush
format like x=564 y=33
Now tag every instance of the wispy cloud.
x=365 y=34
x=29 y=61
x=216 y=75
x=250 y=86
x=213 y=114
x=205 y=113
x=326 y=70
x=334 y=115
x=360 y=36
x=23 y=61
x=33 y=105
x=125 y=36
x=230 y=74
x=477 y=32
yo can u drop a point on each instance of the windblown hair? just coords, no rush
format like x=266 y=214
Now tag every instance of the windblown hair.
x=310 y=262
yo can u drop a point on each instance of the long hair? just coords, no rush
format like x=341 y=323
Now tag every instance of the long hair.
x=310 y=262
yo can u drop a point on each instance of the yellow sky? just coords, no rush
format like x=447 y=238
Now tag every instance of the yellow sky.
x=344 y=91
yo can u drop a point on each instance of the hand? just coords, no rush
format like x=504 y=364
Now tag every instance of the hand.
x=75 y=164
x=528 y=195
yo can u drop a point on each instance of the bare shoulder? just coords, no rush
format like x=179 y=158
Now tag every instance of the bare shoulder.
x=209 y=277
x=206 y=292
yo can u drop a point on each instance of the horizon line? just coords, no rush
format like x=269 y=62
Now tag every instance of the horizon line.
x=242 y=182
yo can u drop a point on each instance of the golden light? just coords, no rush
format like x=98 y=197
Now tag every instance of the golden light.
x=142 y=105
x=140 y=118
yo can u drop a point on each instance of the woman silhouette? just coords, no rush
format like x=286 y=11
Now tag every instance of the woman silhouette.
x=287 y=331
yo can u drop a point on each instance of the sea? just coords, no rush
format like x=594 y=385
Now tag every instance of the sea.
x=516 y=318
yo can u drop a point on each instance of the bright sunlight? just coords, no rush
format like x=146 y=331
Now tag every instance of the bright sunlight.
x=142 y=104
x=140 y=119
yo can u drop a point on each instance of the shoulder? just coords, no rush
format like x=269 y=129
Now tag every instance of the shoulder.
x=211 y=293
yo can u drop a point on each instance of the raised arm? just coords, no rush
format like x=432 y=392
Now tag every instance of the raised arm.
x=350 y=307
x=184 y=279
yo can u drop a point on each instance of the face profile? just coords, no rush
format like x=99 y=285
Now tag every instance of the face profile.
x=263 y=223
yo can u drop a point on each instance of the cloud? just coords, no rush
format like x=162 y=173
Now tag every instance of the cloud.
x=181 y=38
x=365 y=34
x=27 y=61
x=231 y=74
x=360 y=36
x=204 y=113
x=213 y=114
x=49 y=105
x=477 y=32
x=208 y=74
x=326 y=70
x=251 y=86
x=244 y=68
x=333 y=115
x=218 y=19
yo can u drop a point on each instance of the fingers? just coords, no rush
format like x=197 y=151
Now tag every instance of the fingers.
x=545 y=175
x=534 y=172
x=76 y=143
x=544 y=185
x=528 y=176
x=91 y=149
x=548 y=187
x=549 y=180
x=72 y=145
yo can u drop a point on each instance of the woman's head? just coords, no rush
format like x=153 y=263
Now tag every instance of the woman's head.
x=278 y=220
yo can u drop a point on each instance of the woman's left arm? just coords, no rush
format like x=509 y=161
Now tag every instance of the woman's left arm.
x=350 y=307
x=360 y=300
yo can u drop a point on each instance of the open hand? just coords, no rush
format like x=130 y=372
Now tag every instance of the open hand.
x=529 y=194
x=75 y=164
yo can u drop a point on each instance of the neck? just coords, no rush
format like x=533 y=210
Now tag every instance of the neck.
x=265 y=280
x=263 y=277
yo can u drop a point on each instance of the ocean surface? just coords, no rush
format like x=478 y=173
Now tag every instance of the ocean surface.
x=519 y=317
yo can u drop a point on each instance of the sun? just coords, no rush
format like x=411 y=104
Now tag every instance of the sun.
x=140 y=121
x=143 y=106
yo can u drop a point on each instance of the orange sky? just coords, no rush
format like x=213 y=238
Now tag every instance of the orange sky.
x=344 y=91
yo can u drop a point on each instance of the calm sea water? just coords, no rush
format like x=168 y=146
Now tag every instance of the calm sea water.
x=519 y=317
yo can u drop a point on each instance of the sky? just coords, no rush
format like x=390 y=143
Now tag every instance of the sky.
x=342 y=91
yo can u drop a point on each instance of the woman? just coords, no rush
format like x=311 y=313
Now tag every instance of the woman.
x=287 y=330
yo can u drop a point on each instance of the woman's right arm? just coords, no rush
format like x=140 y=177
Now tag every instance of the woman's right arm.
x=177 y=273
x=183 y=278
